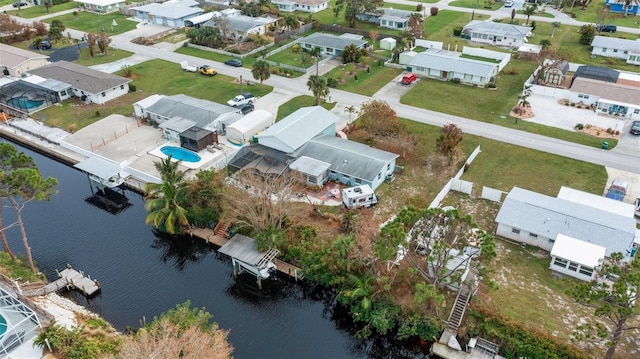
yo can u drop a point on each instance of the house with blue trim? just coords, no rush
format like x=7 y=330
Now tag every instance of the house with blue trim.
x=172 y=13
x=618 y=6
x=331 y=45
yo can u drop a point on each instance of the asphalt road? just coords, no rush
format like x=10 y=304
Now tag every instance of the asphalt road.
x=294 y=87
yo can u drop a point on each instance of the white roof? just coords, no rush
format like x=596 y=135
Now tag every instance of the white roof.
x=615 y=43
x=98 y=167
x=358 y=191
x=293 y=131
x=100 y=2
x=256 y=120
x=595 y=201
x=148 y=101
x=575 y=250
x=310 y=166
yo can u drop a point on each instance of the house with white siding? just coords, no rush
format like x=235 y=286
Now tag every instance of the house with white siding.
x=18 y=61
x=620 y=98
x=448 y=65
x=172 y=13
x=628 y=50
x=388 y=18
x=497 y=34
x=311 y=6
x=331 y=45
x=101 y=6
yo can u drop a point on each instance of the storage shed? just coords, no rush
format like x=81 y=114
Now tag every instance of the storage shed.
x=197 y=139
x=388 y=43
x=241 y=131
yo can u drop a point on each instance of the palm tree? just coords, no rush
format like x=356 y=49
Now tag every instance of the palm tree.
x=261 y=71
x=350 y=110
x=318 y=85
x=361 y=290
x=291 y=22
x=554 y=26
x=529 y=10
x=164 y=201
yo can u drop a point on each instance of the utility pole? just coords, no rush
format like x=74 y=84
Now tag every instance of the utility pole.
x=241 y=84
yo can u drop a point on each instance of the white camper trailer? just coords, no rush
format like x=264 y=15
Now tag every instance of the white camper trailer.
x=359 y=196
x=241 y=131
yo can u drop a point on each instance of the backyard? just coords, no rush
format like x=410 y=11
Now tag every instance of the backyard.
x=363 y=79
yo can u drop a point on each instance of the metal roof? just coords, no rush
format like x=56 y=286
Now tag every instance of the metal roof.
x=80 y=77
x=202 y=112
x=242 y=248
x=168 y=10
x=578 y=251
x=200 y=18
x=593 y=200
x=177 y=124
x=331 y=41
x=549 y=216
x=348 y=157
x=100 y=2
x=615 y=43
x=310 y=166
x=299 y=127
x=98 y=167
x=498 y=29
x=195 y=133
x=463 y=65
x=11 y=56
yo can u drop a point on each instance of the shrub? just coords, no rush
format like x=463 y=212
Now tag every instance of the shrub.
x=457 y=31
x=587 y=126
x=610 y=130
x=533 y=25
x=132 y=88
x=331 y=82
x=491 y=86
x=419 y=8
x=573 y=104
x=617 y=133
x=295 y=48
x=512 y=72
x=434 y=11
x=566 y=104
x=72 y=128
x=455 y=80
x=579 y=126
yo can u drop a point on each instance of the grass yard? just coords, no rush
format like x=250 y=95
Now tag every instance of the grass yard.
x=94 y=23
x=111 y=56
x=368 y=83
x=477 y=4
x=292 y=58
x=489 y=106
x=440 y=27
x=296 y=103
x=539 y=13
x=75 y=115
x=40 y=10
x=399 y=6
x=590 y=14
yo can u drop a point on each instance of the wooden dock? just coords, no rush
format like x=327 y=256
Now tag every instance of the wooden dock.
x=215 y=237
x=69 y=279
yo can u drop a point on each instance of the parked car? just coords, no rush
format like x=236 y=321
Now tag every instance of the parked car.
x=45 y=45
x=247 y=108
x=207 y=70
x=19 y=4
x=607 y=28
x=635 y=128
x=618 y=189
x=191 y=68
x=233 y=62
x=240 y=100
x=508 y=3
x=407 y=79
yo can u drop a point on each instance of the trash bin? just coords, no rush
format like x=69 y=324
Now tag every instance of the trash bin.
x=605 y=145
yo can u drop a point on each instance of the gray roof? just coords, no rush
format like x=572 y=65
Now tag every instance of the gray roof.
x=458 y=64
x=242 y=248
x=615 y=43
x=202 y=112
x=310 y=166
x=348 y=157
x=499 y=29
x=606 y=90
x=168 y=10
x=562 y=65
x=177 y=124
x=549 y=216
x=395 y=14
x=80 y=77
x=98 y=167
x=597 y=73
x=300 y=126
x=54 y=85
x=331 y=41
x=235 y=23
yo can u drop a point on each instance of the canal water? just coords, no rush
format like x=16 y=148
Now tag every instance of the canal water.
x=143 y=275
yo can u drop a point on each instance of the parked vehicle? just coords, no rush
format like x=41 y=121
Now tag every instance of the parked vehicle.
x=638 y=207
x=247 y=108
x=233 y=62
x=508 y=3
x=45 y=45
x=607 y=28
x=19 y=4
x=240 y=100
x=207 y=70
x=359 y=196
x=635 y=128
x=191 y=68
x=618 y=189
x=407 y=79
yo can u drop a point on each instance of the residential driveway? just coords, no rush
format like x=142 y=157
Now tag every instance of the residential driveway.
x=112 y=67
x=394 y=90
x=69 y=53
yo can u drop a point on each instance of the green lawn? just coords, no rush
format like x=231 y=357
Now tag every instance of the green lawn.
x=541 y=14
x=111 y=56
x=590 y=15
x=40 y=10
x=295 y=103
x=368 y=83
x=477 y=4
x=292 y=58
x=399 y=6
x=440 y=27
x=90 y=22
x=219 y=89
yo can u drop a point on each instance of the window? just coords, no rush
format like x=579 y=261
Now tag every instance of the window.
x=604 y=49
x=121 y=87
x=573 y=266
x=533 y=235
x=583 y=96
x=551 y=240
x=636 y=111
x=560 y=262
x=63 y=92
x=625 y=52
x=615 y=51
x=419 y=68
x=104 y=94
x=358 y=181
x=586 y=271
x=515 y=230
x=485 y=36
x=379 y=175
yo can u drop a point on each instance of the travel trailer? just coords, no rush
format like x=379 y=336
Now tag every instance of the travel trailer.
x=359 y=196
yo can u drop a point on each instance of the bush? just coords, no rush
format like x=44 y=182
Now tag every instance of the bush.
x=491 y=86
x=457 y=31
x=573 y=104
x=434 y=11
x=331 y=82
x=455 y=80
x=579 y=126
x=295 y=48
x=533 y=25
x=132 y=88
x=419 y=8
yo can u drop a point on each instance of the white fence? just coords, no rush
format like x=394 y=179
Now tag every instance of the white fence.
x=429 y=44
x=448 y=186
x=227 y=53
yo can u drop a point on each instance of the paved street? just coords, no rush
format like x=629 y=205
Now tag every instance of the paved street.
x=287 y=88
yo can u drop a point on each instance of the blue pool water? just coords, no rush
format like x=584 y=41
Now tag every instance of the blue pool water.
x=180 y=153
x=25 y=103
x=3 y=326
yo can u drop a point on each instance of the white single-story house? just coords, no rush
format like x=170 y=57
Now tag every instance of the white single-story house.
x=62 y=90
x=447 y=65
x=331 y=45
x=495 y=33
x=616 y=99
x=352 y=163
x=171 y=13
x=576 y=258
x=87 y=84
x=624 y=49
x=232 y=24
x=293 y=131
x=388 y=18
x=171 y=113
x=312 y=6
x=17 y=61
x=593 y=200
x=537 y=219
x=101 y=6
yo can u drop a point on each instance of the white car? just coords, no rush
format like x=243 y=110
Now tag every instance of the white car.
x=508 y=3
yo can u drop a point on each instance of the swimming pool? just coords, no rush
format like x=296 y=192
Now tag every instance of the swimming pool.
x=24 y=103
x=3 y=326
x=180 y=153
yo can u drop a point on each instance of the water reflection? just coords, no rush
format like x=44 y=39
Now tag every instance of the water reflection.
x=180 y=250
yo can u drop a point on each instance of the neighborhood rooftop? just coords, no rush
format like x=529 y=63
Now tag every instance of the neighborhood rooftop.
x=202 y=112
x=168 y=10
x=606 y=90
x=550 y=216
x=80 y=77
x=496 y=28
x=11 y=56
x=332 y=41
x=299 y=127
x=632 y=46
x=440 y=62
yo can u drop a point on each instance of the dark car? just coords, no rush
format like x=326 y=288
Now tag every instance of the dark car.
x=247 y=108
x=635 y=128
x=19 y=4
x=607 y=28
x=45 y=45
x=233 y=62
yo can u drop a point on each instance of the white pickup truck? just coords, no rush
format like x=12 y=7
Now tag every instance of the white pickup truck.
x=191 y=68
x=240 y=100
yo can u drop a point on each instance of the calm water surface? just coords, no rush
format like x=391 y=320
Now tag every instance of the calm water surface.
x=143 y=275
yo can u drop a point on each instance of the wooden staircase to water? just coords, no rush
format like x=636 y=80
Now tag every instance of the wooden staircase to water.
x=459 y=307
